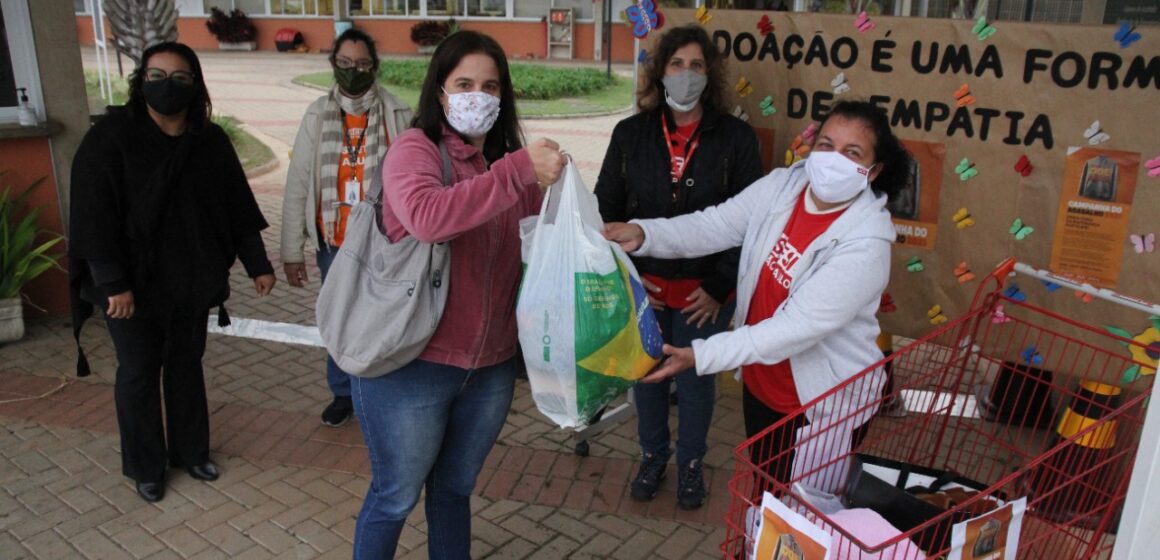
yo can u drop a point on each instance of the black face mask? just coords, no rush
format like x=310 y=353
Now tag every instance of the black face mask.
x=353 y=81
x=167 y=96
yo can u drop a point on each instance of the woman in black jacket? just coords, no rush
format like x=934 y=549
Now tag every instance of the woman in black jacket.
x=160 y=210
x=683 y=152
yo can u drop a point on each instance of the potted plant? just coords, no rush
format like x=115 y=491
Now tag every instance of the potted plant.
x=234 y=31
x=22 y=257
x=428 y=33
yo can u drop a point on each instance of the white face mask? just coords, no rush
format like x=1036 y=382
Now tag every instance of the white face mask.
x=472 y=113
x=834 y=177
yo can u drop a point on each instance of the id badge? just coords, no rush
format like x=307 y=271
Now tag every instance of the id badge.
x=351 y=192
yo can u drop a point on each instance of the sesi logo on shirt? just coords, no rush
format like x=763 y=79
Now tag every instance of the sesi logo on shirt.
x=782 y=260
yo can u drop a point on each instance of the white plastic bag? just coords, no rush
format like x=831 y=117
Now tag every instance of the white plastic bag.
x=585 y=326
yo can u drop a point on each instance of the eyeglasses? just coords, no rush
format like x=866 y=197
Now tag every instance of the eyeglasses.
x=362 y=65
x=180 y=76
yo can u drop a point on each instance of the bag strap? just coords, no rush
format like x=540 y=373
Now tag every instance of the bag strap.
x=375 y=194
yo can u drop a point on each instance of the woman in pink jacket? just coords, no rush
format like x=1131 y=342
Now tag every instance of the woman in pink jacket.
x=431 y=424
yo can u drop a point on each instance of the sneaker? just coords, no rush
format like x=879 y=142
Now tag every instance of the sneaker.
x=648 y=478
x=338 y=412
x=691 y=486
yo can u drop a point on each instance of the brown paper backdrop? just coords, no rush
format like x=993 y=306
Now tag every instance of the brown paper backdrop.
x=998 y=194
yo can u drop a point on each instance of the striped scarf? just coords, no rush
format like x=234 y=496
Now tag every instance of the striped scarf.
x=332 y=143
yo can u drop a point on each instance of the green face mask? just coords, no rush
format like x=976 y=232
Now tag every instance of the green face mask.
x=352 y=81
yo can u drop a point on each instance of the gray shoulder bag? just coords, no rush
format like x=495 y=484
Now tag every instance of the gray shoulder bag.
x=382 y=301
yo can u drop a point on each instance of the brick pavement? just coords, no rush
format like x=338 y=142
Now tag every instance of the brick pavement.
x=291 y=488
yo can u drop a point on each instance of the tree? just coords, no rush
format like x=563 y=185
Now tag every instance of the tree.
x=140 y=24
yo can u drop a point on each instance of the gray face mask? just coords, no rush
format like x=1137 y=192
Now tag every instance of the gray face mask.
x=683 y=91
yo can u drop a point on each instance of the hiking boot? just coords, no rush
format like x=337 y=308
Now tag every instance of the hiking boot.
x=338 y=412
x=691 y=486
x=648 y=478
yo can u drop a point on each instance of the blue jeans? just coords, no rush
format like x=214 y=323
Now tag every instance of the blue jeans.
x=427 y=426
x=695 y=393
x=337 y=379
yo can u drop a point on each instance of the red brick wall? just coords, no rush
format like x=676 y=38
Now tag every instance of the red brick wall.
x=519 y=39
x=23 y=161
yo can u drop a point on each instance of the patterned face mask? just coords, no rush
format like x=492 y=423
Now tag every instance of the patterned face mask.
x=472 y=113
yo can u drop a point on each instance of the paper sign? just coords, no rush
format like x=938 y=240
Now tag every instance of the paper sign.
x=785 y=535
x=915 y=208
x=991 y=536
x=1091 y=226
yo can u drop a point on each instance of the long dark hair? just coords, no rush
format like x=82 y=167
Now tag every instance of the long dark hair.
x=355 y=35
x=888 y=151
x=200 y=108
x=505 y=136
x=652 y=94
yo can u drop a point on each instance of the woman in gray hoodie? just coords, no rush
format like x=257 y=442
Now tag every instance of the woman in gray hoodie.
x=815 y=258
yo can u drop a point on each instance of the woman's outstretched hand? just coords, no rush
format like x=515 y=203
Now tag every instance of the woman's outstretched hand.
x=676 y=361
x=629 y=236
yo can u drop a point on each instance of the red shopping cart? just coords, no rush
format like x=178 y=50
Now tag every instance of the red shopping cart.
x=1009 y=401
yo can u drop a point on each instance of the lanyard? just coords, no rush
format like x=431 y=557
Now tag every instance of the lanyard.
x=352 y=151
x=689 y=149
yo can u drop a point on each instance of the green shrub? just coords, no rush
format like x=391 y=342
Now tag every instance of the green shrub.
x=531 y=81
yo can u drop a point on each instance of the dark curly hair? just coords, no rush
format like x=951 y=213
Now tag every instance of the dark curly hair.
x=888 y=151
x=651 y=94
x=200 y=108
x=356 y=36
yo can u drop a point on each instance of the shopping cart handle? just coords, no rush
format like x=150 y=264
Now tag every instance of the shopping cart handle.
x=1009 y=265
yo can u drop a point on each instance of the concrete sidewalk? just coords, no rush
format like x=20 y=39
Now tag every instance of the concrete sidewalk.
x=290 y=487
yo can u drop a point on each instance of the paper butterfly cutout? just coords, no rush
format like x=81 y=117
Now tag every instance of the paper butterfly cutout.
x=936 y=315
x=1126 y=35
x=966 y=169
x=767 y=107
x=1143 y=243
x=1095 y=134
x=1051 y=286
x=999 y=316
x=915 y=265
x=765 y=26
x=1014 y=293
x=886 y=304
x=1020 y=230
x=644 y=18
x=703 y=16
x=963 y=96
x=1084 y=296
x=963 y=273
x=809 y=132
x=839 y=84
x=743 y=87
x=642 y=56
x=1153 y=166
x=1023 y=166
x=741 y=114
x=863 y=23
x=963 y=219
x=1031 y=356
x=982 y=29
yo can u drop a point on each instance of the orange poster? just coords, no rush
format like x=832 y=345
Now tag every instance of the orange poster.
x=915 y=208
x=786 y=535
x=1092 y=224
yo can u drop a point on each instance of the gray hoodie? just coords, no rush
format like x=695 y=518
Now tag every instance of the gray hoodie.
x=827 y=325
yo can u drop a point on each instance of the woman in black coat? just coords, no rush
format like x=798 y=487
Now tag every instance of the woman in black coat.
x=160 y=209
x=683 y=152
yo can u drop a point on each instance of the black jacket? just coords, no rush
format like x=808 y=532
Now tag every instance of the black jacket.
x=636 y=183
x=164 y=217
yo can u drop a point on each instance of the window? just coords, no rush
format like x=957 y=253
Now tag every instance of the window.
x=487 y=8
x=17 y=61
x=81 y=7
x=441 y=7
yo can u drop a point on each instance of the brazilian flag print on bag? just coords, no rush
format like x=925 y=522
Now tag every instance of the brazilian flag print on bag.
x=585 y=326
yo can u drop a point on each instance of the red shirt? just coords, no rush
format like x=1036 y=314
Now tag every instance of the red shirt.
x=773 y=384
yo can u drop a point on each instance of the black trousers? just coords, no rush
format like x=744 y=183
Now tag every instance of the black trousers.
x=154 y=356
x=776 y=449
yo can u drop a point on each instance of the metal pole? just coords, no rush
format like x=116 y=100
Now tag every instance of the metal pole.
x=1028 y=9
x=608 y=34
